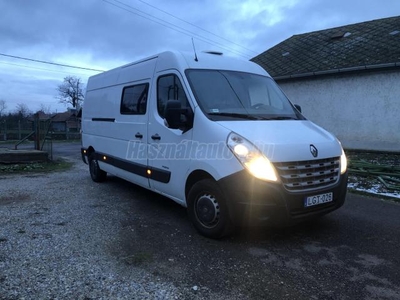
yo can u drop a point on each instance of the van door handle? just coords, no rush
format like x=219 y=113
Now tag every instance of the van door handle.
x=138 y=135
x=156 y=137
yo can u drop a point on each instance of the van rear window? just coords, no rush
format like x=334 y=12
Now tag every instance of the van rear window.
x=134 y=99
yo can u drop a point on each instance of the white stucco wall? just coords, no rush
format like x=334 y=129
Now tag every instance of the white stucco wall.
x=362 y=110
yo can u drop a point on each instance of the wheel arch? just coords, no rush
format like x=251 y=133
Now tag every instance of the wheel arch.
x=90 y=150
x=194 y=177
x=96 y=173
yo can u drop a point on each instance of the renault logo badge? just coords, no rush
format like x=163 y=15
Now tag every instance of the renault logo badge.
x=313 y=150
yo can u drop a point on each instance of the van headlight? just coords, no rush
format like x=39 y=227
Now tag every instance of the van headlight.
x=251 y=158
x=343 y=163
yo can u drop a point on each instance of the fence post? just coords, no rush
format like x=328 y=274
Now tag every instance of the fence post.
x=37 y=132
x=19 y=130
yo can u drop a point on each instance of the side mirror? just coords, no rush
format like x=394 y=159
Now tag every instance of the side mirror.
x=298 y=107
x=177 y=117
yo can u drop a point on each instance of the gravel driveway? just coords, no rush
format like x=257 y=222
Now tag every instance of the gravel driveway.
x=63 y=236
x=59 y=239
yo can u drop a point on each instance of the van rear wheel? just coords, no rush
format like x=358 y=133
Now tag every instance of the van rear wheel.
x=97 y=174
x=208 y=210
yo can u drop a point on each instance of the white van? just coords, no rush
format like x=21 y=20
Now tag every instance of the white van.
x=216 y=135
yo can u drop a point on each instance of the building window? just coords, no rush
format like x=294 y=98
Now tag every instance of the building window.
x=134 y=99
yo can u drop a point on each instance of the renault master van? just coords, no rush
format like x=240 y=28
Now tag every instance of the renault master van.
x=216 y=135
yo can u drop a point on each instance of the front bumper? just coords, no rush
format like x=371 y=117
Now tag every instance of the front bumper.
x=253 y=201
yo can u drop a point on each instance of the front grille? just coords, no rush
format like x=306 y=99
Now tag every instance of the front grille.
x=310 y=174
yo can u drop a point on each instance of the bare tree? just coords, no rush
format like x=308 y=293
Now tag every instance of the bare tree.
x=71 y=91
x=45 y=108
x=3 y=106
x=22 y=110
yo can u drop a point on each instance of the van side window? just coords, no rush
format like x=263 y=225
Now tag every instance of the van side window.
x=169 y=87
x=134 y=99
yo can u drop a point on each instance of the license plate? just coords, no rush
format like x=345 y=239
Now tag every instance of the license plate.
x=318 y=199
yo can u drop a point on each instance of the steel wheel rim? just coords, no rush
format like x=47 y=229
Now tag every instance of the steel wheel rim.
x=207 y=210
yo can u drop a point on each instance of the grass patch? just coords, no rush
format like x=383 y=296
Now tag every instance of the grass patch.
x=376 y=174
x=13 y=142
x=66 y=141
x=40 y=167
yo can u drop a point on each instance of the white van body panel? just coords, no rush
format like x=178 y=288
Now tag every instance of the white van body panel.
x=211 y=153
x=141 y=148
x=161 y=152
x=102 y=101
x=204 y=149
x=286 y=140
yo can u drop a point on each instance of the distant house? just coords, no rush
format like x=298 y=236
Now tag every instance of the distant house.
x=41 y=115
x=347 y=79
x=66 y=125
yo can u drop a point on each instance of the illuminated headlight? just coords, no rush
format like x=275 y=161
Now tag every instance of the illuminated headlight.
x=343 y=163
x=251 y=158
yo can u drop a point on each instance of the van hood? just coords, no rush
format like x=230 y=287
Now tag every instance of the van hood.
x=287 y=140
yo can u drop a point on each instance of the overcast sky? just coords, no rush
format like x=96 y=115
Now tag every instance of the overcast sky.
x=102 y=34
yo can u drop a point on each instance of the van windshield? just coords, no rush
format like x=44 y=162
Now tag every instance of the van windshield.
x=229 y=95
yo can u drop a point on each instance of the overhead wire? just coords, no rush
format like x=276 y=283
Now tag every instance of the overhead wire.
x=172 y=26
x=196 y=26
x=49 y=62
x=143 y=15
x=41 y=69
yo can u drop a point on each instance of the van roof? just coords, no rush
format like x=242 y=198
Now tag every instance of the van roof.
x=211 y=60
x=169 y=60
x=205 y=60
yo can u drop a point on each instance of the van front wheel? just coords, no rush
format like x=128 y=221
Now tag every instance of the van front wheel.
x=208 y=210
x=97 y=174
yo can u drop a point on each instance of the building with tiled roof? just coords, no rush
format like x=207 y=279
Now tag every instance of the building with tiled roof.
x=358 y=47
x=347 y=79
x=66 y=125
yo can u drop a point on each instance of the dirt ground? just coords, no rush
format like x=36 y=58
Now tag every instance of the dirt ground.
x=63 y=236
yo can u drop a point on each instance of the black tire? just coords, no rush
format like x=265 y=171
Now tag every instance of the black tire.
x=97 y=174
x=208 y=210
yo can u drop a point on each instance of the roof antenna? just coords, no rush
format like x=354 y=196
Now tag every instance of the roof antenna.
x=194 y=49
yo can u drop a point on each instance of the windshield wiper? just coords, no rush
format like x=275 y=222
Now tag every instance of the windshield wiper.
x=236 y=115
x=282 y=118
